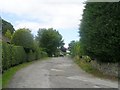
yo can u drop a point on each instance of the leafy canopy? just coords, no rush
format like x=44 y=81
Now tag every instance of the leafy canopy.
x=49 y=39
x=23 y=37
x=100 y=31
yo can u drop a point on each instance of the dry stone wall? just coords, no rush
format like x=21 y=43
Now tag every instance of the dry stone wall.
x=107 y=68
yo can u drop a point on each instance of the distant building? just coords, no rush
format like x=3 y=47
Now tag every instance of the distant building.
x=2 y=37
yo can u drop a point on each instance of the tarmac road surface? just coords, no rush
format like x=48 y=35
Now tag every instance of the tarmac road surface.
x=60 y=72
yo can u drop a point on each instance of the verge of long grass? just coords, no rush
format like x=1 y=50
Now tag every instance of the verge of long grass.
x=86 y=66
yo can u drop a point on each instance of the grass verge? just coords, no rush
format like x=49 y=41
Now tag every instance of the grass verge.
x=8 y=74
x=86 y=66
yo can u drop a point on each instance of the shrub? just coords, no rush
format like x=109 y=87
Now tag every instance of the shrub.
x=12 y=55
x=18 y=55
x=100 y=31
x=31 y=56
x=74 y=48
x=38 y=54
x=23 y=37
x=6 y=53
x=0 y=56
x=86 y=58
x=43 y=54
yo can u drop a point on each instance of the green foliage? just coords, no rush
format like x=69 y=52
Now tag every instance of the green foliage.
x=49 y=40
x=7 y=26
x=86 y=58
x=12 y=55
x=8 y=34
x=43 y=54
x=99 y=31
x=23 y=47
x=86 y=66
x=74 y=48
x=31 y=56
x=1 y=57
x=71 y=45
x=23 y=37
x=39 y=53
x=18 y=55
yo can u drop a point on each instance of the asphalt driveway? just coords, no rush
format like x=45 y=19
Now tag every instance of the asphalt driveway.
x=59 y=72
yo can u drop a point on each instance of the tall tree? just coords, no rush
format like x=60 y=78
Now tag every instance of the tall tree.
x=23 y=37
x=99 y=31
x=70 y=45
x=49 y=39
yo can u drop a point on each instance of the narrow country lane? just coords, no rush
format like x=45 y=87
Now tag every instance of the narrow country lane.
x=59 y=72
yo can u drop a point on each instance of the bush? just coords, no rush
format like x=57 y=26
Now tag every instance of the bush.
x=31 y=56
x=23 y=37
x=38 y=54
x=86 y=58
x=43 y=54
x=18 y=55
x=49 y=39
x=75 y=49
x=100 y=31
x=0 y=56
x=6 y=56
x=12 y=55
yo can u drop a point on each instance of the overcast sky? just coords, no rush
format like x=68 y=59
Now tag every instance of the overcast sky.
x=62 y=15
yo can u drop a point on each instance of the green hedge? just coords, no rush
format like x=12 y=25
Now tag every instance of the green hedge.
x=14 y=55
x=31 y=56
x=0 y=56
x=18 y=55
x=37 y=54
x=43 y=54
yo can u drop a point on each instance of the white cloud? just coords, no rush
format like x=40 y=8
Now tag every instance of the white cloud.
x=54 y=13
x=33 y=26
x=59 y=14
